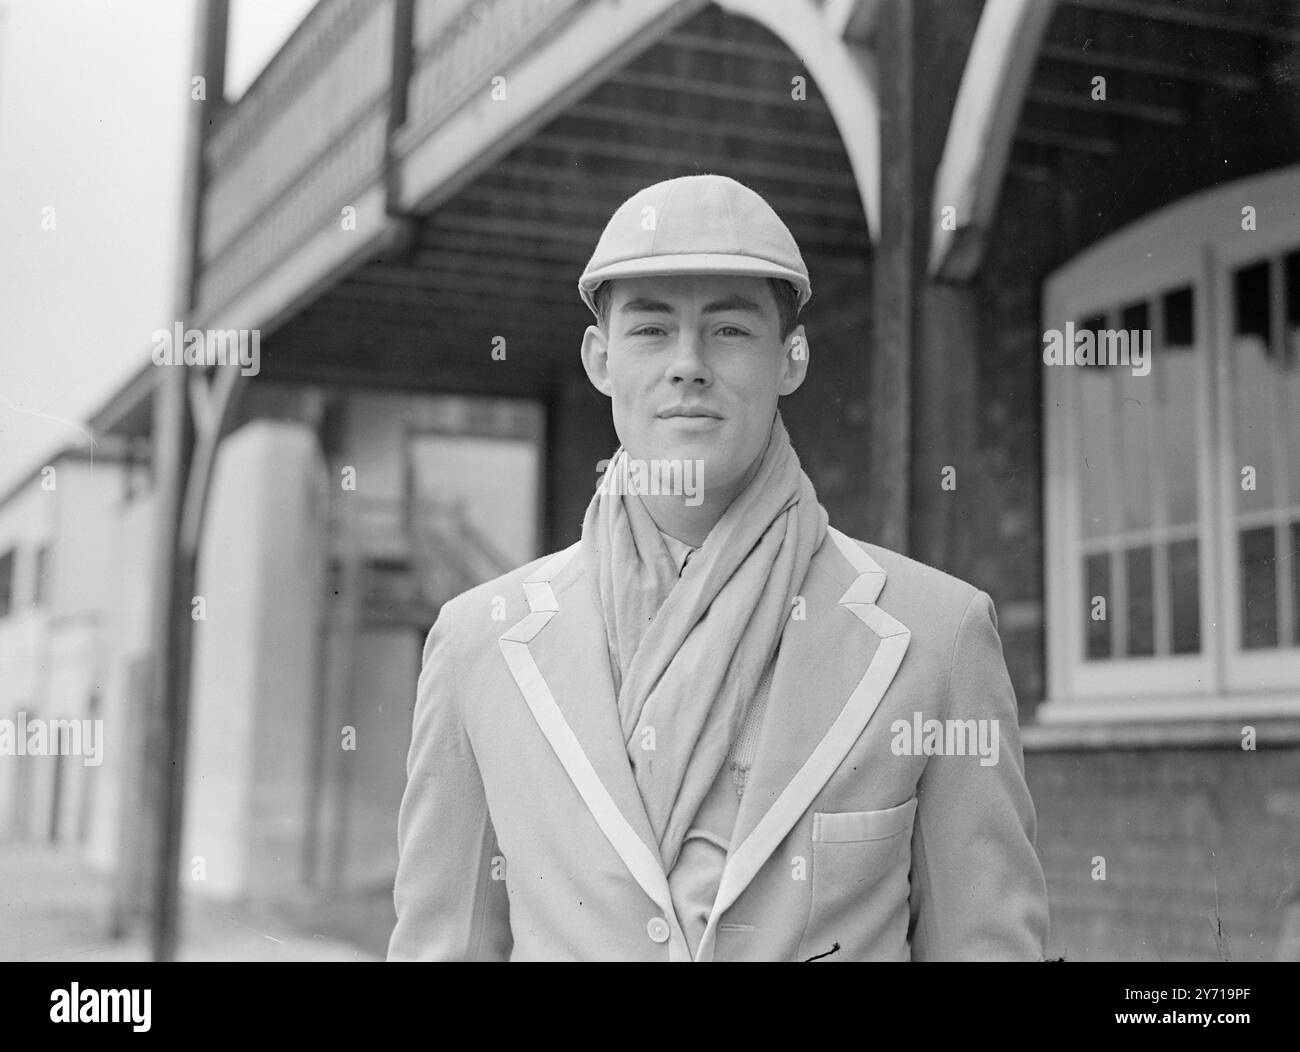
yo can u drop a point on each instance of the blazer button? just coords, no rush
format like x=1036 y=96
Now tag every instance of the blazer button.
x=657 y=929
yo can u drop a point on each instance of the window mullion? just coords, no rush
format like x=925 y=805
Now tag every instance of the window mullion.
x=1281 y=485
x=1161 y=598
x=1117 y=608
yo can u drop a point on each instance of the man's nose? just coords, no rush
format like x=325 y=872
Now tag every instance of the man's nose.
x=687 y=364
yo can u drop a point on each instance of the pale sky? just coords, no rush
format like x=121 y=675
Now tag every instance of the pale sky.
x=94 y=95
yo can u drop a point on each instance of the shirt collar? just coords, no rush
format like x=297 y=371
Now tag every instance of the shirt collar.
x=679 y=550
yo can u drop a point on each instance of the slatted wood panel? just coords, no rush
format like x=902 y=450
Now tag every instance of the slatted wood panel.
x=503 y=257
x=1166 y=63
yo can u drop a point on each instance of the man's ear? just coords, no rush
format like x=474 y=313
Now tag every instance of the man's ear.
x=794 y=364
x=595 y=359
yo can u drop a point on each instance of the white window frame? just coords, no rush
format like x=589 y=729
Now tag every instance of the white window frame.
x=1197 y=241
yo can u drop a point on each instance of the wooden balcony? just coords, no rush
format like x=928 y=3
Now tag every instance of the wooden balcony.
x=307 y=140
x=360 y=121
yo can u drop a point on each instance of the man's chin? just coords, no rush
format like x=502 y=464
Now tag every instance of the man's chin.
x=683 y=446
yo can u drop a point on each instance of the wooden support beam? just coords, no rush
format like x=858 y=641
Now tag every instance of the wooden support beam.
x=854 y=20
x=1000 y=61
x=847 y=76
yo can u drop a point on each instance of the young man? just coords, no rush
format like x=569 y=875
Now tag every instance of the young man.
x=715 y=728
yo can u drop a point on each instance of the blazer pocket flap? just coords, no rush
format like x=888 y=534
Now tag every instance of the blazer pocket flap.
x=849 y=826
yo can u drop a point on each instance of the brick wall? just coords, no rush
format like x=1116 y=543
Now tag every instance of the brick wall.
x=1180 y=830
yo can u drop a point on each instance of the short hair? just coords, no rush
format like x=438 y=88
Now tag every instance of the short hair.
x=785 y=294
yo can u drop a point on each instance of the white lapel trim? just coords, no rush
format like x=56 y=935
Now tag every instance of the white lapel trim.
x=642 y=863
x=743 y=865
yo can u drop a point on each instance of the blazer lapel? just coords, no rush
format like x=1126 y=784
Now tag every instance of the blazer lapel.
x=827 y=685
x=559 y=659
x=832 y=670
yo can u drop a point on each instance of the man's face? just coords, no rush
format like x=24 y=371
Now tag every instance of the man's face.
x=694 y=365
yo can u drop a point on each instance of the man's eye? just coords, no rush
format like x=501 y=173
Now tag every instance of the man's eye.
x=731 y=330
x=649 y=330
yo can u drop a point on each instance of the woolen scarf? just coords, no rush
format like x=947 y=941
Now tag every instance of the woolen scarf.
x=687 y=653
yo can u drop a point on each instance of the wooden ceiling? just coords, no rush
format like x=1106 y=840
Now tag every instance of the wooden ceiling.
x=503 y=257
x=1166 y=63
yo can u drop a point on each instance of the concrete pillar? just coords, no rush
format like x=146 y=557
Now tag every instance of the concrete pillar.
x=256 y=655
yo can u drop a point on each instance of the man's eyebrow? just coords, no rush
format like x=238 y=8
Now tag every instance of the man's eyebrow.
x=732 y=303
x=644 y=306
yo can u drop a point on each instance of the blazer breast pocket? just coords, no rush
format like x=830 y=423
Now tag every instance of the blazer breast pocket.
x=846 y=827
x=859 y=894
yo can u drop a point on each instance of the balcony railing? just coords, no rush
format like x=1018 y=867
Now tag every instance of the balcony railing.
x=459 y=47
x=306 y=138
x=312 y=133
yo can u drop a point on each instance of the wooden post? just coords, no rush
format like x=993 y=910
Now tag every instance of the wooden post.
x=402 y=57
x=174 y=570
x=921 y=383
x=944 y=376
x=946 y=388
x=890 y=365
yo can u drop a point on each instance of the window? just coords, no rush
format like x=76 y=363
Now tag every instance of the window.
x=1138 y=530
x=1173 y=487
x=1264 y=356
x=6 y=582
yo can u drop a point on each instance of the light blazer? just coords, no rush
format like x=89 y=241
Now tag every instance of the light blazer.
x=522 y=834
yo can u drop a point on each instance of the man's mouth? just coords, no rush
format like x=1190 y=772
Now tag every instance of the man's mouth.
x=689 y=412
